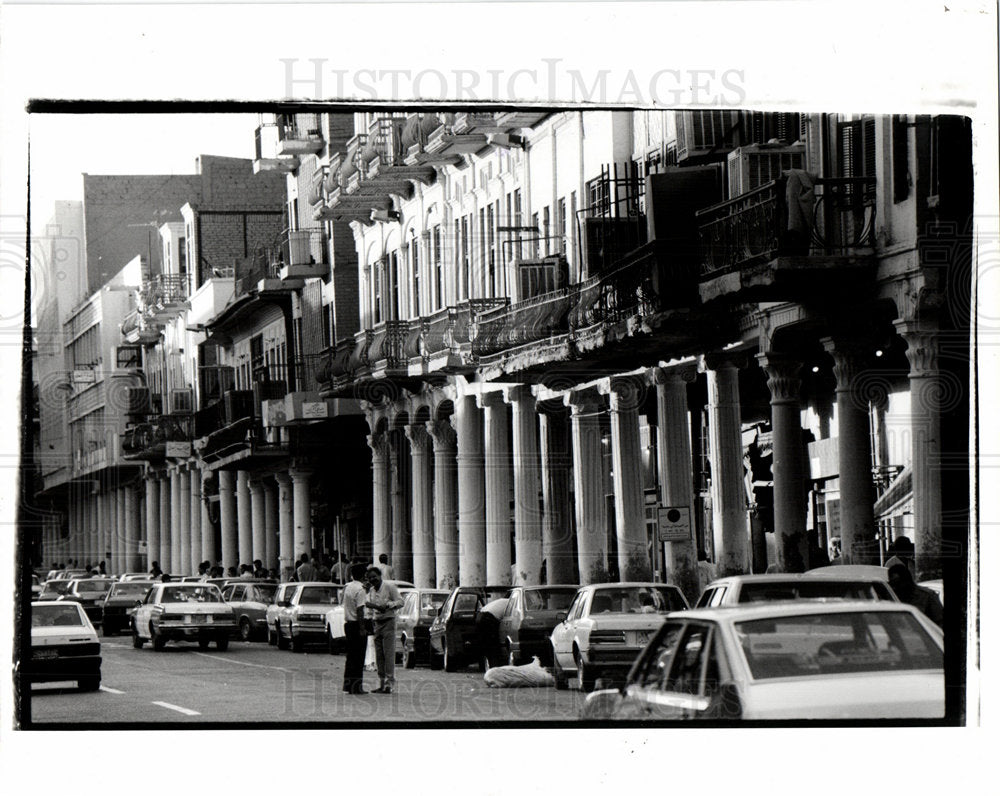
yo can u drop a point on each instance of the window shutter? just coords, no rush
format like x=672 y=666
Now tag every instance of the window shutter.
x=900 y=159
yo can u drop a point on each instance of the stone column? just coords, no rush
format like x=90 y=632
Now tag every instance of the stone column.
x=228 y=520
x=286 y=523
x=244 y=518
x=184 y=512
x=471 y=493
x=789 y=467
x=166 y=515
x=121 y=518
x=195 y=557
x=209 y=552
x=301 y=512
x=257 y=531
x=174 y=565
x=630 y=522
x=557 y=526
x=271 y=524
x=927 y=393
x=527 y=486
x=497 y=467
x=401 y=556
x=381 y=500
x=729 y=496
x=673 y=462
x=131 y=529
x=445 y=503
x=588 y=486
x=152 y=521
x=857 y=521
x=423 y=506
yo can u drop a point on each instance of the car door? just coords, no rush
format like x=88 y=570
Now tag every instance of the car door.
x=407 y=616
x=562 y=634
x=143 y=612
x=509 y=617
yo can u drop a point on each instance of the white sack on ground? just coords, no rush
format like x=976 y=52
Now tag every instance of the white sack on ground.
x=530 y=675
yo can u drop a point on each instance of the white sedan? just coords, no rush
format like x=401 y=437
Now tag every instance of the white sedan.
x=183 y=612
x=64 y=646
x=606 y=626
x=804 y=660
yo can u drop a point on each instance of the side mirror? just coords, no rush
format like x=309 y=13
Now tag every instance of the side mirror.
x=561 y=616
x=138 y=603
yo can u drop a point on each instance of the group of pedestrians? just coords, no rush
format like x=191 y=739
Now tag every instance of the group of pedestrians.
x=370 y=606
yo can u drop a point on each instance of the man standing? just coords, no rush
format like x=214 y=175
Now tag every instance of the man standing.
x=384 y=567
x=921 y=598
x=384 y=600
x=306 y=570
x=354 y=600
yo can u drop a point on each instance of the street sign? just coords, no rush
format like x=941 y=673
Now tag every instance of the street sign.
x=674 y=523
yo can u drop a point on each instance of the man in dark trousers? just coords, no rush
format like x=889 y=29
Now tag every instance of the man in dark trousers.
x=921 y=598
x=385 y=601
x=357 y=639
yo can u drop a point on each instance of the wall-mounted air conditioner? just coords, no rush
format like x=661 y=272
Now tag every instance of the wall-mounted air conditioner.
x=182 y=401
x=757 y=164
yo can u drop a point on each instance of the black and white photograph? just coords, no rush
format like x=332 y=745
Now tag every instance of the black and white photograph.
x=442 y=396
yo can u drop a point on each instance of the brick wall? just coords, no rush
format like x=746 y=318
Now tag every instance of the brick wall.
x=230 y=236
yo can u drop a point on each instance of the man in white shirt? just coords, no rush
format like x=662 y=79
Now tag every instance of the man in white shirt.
x=357 y=640
x=384 y=600
x=385 y=567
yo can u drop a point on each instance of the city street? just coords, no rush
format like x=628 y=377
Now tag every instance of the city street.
x=254 y=683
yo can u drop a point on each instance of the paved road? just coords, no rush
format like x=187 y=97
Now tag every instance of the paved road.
x=252 y=683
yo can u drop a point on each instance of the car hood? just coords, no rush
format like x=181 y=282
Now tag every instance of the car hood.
x=196 y=608
x=50 y=636
x=886 y=695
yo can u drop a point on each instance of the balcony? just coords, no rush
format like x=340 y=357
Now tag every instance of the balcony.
x=299 y=134
x=212 y=296
x=771 y=245
x=419 y=130
x=140 y=328
x=165 y=295
x=447 y=143
x=150 y=441
x=522 y=323
x=383 y=164
x=300 y=254
x=266 y=156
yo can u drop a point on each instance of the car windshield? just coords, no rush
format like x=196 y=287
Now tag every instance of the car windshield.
x=634 y=600
x=819 y=644
x=548 y=599
x=319 y=595
x=92 y=586
x=129 y=589
x=56 y=615
x=807 y=590
x=191 y=594
x=56 y=587
x=262 y=594
x=433 y=602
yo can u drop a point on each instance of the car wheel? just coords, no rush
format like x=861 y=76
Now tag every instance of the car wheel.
x=562 y=683
x=246 y=631
x=584 y=674
x=409 y=657
x=159 y=642
x=450 y=663
x=203 y=643
x=282 y=642
x=137 y=641
x=89 y=683
x=222 y=643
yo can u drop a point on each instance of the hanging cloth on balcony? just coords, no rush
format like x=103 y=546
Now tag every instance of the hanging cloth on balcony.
x=800 y=199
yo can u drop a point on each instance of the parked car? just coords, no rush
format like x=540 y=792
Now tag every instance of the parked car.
x=66 y=574
x=742 y=589
x=531 y=614
x=278 y=605
x=64 y=646
x=453 y=637
x=606 y=627
x=807 y=660
x=413 y=622
x=53 y=589
x=333 y=621
x=249 y=602
x=126 y=576
x=90 y=593
x=302 y=620
x=119 y=605
x=183 y=612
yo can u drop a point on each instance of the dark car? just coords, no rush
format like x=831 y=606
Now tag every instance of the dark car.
x=527 y=622
x=453 y=634
x=89 y=593
x=119 y=603
x=413 y=623
x=249 y=600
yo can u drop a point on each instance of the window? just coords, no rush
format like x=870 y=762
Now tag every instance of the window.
x=465 y=263
x=535 y=245
x=415 y=263
x=560 y=244
x=491 y=249
x=518 y=253
x=546 y=235
x=377 y=277
x=598 y=201
x=328 y=325
x=393 y=286
x=657 y=663
x=438 y=267
x=856 y=153
x=689 y=662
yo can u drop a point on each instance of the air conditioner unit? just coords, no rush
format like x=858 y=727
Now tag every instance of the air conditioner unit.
x=757 y=164
x=138 y=401
x=182 y=401
x=702 y=135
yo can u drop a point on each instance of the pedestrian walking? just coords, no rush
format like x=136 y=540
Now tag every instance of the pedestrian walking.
x=921 y=598
x=354 y=600
x=384 y=600
x=305 y=571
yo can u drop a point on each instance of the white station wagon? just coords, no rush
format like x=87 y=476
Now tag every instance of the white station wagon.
x=183 y=612
x=806 y=660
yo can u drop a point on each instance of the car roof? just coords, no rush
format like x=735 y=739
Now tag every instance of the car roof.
x=548 y=586
x=627 y=584
x=851 y=571
x=781 y=608
x=792 y=577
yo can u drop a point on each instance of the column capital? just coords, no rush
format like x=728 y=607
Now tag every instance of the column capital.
x=624 y=392
x=850 y=356
x=584 y=401
x=420 y=440
x=686 y=373
x=300 y=474
x=488 y=400
x=783 y=379
x=517 y=393
x=255 y=483
x=443 y=434
x=921 y=347
x=283 y=479
x=379 y=443
x=725 y=360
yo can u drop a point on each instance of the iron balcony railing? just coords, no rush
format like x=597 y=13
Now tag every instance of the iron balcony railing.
x=756 y=227
x=513 y=325
x=297 y=247
x=164 y=290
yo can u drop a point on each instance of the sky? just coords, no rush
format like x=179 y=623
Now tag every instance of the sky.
x=64 y=146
